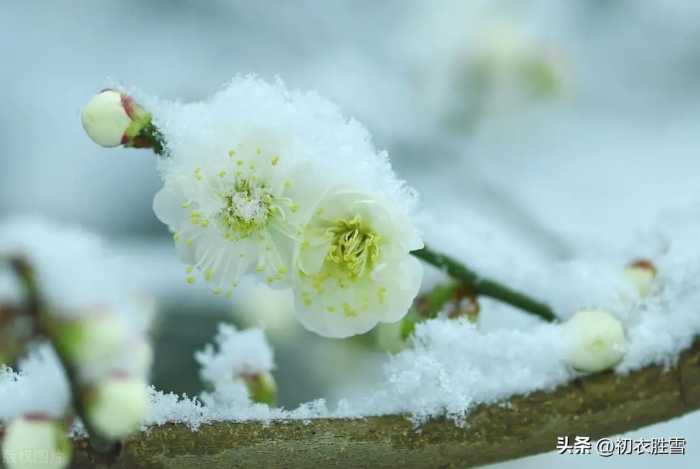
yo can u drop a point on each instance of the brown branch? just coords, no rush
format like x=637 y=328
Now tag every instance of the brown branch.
x=595 y=406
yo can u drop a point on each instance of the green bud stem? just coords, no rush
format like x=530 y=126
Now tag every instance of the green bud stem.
x=149 y=137
x=484 y=286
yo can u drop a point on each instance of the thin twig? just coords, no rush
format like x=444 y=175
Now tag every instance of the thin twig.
x=484 y=286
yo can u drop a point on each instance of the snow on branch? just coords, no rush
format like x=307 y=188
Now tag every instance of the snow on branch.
x=597 y=405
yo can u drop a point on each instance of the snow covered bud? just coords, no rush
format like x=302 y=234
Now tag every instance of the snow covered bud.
x=641 y=274
x=92 y=340
x=261 y=387
x=112 y=118
x=118 y=405
x=596 y=338
x=35 y=442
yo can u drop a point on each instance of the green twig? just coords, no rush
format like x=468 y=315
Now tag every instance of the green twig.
x=483 y=286
x=149 y=136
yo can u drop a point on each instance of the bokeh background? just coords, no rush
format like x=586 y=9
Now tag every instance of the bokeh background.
x=548 y=129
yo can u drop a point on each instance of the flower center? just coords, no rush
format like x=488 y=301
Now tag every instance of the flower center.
x=247 y=209
x=354 y=248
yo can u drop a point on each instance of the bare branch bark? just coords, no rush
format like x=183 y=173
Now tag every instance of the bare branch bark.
x=596 y=406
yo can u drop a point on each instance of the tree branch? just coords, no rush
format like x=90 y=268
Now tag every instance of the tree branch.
x=595 y=406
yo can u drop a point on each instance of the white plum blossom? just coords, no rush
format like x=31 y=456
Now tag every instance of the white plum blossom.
x=236 y=211
x=277 y=183
x=238 y=182
x=35 y=442
x=597 y=340
x=353 y=267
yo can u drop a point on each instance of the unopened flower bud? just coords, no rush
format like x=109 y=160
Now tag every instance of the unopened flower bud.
x=92 y=340
x=112 y=118
x=261 y=388
x=641 y=274
x=118 y=405
x=35 y=442
x=596 y=338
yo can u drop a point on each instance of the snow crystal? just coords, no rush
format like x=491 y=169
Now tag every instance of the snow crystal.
x=26 y=390
x=451 y=367
x=661 y=327
x=236 y=353
x=314 y=130
x=231 y=405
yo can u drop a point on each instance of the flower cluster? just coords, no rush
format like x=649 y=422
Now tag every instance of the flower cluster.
x=260 y=180
x=90 y=334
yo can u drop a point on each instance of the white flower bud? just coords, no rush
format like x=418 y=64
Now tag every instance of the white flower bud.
x=35 y=442
x=597 y=340
x=105 y=118
x=641 y=274
x=93 y=340
x=118 y=406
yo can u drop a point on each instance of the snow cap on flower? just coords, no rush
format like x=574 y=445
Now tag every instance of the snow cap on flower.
x=641 y=274
x=247 y=169
x=240 y=356
x=353 y=266
x=118 y=406
x=35 y=442
x=235 y=353
x=597 y=340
